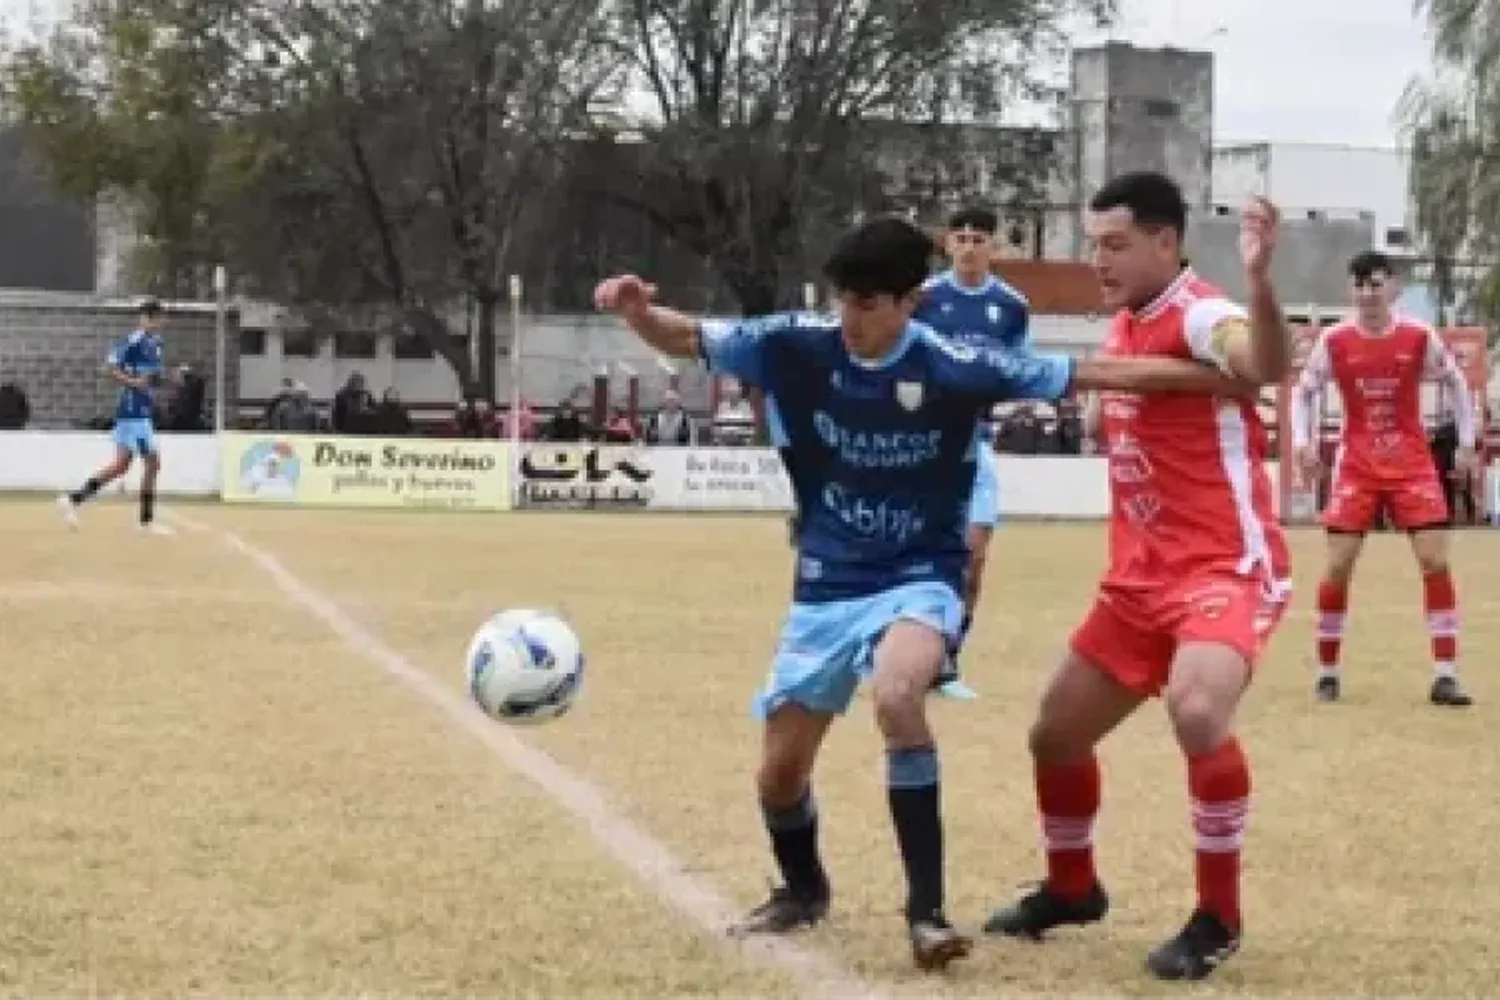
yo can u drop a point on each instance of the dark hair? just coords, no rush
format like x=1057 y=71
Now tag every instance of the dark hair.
x=1154 y=200
x=151 y=309
x=981 y=220
x=1367 y=263
x=888 y=256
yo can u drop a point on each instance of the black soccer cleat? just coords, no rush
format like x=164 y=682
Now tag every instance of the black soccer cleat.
x=1446 y=692
x=1202 y=945
x=1042 y=909
x=935 y=943
x=1327 y=688
x=783 y=913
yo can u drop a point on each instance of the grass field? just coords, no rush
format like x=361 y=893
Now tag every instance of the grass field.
x=236 y=763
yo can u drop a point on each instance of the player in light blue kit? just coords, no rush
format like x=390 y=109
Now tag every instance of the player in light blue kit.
x=969 y=304
x=136 y=363
x=877 y=416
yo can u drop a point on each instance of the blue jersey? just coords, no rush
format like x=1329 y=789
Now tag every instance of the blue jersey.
x=138 y=354
x=881 y=454
x=992 y=315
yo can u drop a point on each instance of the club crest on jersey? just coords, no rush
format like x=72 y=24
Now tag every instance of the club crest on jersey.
x=909 y=395
x=993 y=312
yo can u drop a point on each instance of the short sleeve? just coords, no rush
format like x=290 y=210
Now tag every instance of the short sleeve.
x=994 y=374
x=1210 y=326
x=1439 y=360
x=738 y=347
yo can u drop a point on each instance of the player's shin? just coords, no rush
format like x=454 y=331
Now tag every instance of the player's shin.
x=1219 y=786
x=1440 y=603
x=1068 y=798
x=793 y=830
x=912 y=787
x=91 y=486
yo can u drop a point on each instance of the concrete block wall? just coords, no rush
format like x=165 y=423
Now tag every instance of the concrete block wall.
x=54 y=346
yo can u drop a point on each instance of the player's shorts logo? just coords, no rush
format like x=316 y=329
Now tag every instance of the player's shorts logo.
x=270 y=469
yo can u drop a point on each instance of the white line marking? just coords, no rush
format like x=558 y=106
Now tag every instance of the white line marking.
x=652 y=861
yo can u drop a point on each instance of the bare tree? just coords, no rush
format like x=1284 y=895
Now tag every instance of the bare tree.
x=1453 y=121
x=752 y=144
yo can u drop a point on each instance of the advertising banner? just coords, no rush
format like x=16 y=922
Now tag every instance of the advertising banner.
x=317 y=470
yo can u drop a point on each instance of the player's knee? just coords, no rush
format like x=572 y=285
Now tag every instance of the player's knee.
x=899 y=699
x=1432 y=556
x=1051 y=741
x=1200 y=717
x=782 y=780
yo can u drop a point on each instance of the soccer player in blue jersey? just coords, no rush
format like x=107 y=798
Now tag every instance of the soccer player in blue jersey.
x=877 y=416
x=971 y=305
x=136 y=363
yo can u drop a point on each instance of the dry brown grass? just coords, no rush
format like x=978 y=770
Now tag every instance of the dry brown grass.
x=208 y=793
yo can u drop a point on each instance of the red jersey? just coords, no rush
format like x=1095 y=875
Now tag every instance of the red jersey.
x=1379 y=377
x=1189 y=491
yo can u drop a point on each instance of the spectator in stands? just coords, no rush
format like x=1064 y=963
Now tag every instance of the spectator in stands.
x=294 y=413
x=473 y=417
x=521 y=424
x=619 y=428
x=1069 y=428
x=285 y=392
x=734 y=420
x=670 y=425
x=353 y=407
x=187 y=409
x=391 y=418
x=566 y=424
x=1458 y=489
x=1022 y=431
x=15 y=408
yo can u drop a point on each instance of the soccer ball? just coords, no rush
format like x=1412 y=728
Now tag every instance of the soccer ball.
x=525 y=666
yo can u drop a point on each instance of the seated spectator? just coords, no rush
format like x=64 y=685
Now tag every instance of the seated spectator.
x=670 y=425
x=520 y=426
x=391 y=418
x=619 y=428
x=566 y=424
x=1069 y=429
x=353 y=407
x=15 y=408
x=734 y=420
x=473 y=418
x=186 y=410
x=294 y=413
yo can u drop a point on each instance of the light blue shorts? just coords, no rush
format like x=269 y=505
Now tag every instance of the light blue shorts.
x=826 y=649
x=984 y=502
x=135 y=435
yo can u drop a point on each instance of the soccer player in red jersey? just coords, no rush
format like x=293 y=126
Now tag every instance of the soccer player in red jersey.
x=1378 y=361
x=1198 y=568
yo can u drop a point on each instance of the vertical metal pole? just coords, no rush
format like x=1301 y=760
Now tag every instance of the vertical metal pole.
x=515 y=358
x=221 y=336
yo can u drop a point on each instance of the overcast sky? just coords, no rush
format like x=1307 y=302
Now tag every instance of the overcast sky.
x=1294 y=70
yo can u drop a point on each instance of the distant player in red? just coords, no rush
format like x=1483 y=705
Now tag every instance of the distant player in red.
x=1379 y=361
x=1198 y=569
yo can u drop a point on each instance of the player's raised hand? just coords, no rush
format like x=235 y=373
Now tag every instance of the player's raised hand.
x=1259 y=225
x=626 y=294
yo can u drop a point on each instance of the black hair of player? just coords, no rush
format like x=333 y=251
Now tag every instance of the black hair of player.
x=980 y=220
x=886 y=256
x=1154 y=200
x=151 y=309
x=1367 y=263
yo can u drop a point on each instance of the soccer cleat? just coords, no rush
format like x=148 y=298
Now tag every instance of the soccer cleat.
x=1328 y=688
x=935 y=943
x=1202 y=945
x=1042 y=909
x=784 y=912
x=68 y=509
x=1447 y=693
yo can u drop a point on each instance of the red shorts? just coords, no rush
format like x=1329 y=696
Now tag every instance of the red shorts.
x=1355 y=502
x=1132 y=635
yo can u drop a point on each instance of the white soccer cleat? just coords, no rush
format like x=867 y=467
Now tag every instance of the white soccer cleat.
x=155 y=528
x=68 y=509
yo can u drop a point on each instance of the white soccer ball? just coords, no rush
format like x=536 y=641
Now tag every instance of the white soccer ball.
x=525 y=666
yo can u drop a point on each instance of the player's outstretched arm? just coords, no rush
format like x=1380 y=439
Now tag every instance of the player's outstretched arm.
x=672 y=333
x=1149 y=374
